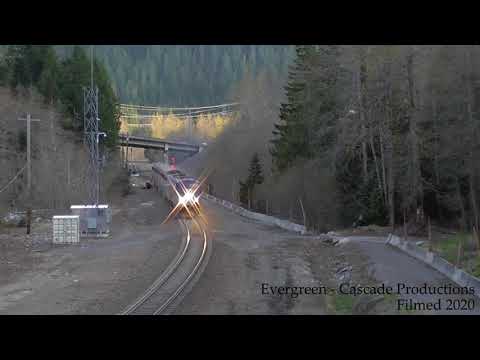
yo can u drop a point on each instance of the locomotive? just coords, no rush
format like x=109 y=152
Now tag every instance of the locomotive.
x=175 y=186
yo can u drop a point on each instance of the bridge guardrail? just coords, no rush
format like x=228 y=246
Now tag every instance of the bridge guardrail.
x=458 y=276
x=267 y=219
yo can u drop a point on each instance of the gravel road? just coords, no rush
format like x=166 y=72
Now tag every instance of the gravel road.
x=391 y=266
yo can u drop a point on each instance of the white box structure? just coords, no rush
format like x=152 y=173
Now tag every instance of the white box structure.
x=66 y=229
x=94 y=219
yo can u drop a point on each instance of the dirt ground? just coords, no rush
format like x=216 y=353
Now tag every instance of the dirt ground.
x=102 y=276
x=248 y=254
x=98 y=276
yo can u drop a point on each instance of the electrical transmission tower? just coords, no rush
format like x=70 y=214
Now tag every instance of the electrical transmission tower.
x=90 y=116
x=94 y=217
x=90 y=122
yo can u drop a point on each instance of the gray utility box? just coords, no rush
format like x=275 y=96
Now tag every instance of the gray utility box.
x=94 y=219
x=66 y=229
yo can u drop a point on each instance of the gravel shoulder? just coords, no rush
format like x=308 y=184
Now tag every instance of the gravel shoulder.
x=247 y=254
x=390 y=266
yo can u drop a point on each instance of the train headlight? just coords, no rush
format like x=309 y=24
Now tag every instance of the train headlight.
x=188 y=197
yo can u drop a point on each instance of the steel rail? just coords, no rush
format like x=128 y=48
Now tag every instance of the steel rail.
x=189 y=277
x=162 y=278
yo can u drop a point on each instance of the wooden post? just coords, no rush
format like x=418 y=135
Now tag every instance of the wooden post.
x=303 y=213
x=430 y=244
x=29 y=170
x=266 y=206
x=405 y=225
x=29 y=218
x=476 y=238
x=459 y=251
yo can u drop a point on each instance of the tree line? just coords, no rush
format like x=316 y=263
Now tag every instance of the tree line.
x=184 y=75
x=60 y=81
x=394 y=130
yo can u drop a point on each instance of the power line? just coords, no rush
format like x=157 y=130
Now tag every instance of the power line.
x=205 y=111
x=159 y=108
x=177 y=116
x=11 y=181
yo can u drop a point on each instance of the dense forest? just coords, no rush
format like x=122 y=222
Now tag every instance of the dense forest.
x=180 y=75
x=392 y=130
x=60 y=81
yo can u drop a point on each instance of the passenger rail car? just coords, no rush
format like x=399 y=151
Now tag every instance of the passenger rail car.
x=175 y=186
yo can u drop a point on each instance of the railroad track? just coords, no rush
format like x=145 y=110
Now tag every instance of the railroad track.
x=166 y=291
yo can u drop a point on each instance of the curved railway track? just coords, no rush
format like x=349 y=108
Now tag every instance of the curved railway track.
x=168 y=288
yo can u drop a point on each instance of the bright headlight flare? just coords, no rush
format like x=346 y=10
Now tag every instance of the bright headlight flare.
x=191 y=198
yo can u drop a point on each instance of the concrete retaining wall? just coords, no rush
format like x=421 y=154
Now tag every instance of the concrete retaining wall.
x=455 y=274
x=270 y=220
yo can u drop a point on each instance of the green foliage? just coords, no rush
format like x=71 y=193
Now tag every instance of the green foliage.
x=75 y=76
x=290 y=134
x=448 y=248
x=3 y=72
x=22 y=140
x=61 y=82
x=181 y=75
x=255 y=177
x=476 y=268
x=307 y=118
x=343 y=304
x=48 y=81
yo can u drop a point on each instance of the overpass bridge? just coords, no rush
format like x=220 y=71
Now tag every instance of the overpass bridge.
x=160 y=144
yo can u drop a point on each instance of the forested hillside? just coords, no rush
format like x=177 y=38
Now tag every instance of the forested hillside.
x=361 y=134
x=60 y=80
x=394 y=130
x=33 y=79
x=179 y=75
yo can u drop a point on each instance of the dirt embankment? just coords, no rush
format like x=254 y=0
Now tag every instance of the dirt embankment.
x=59 y=158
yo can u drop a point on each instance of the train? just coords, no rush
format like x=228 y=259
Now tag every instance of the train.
x=176 y=187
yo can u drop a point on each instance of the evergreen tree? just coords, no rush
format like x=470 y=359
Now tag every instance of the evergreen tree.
x=109 y=111
x=19 y=71
x=255 y=177
x=185 y=75
x=75 y=75
x=290 y=134
x=3 y=72
x=48 y=82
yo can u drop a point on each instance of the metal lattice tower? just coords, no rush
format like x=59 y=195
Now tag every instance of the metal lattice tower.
x=90 y=116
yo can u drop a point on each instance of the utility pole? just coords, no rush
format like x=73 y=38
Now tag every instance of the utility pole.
x=29 y=170
x=52 y=128
x=189 y=125
x=68 y=171
x=126 y=152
